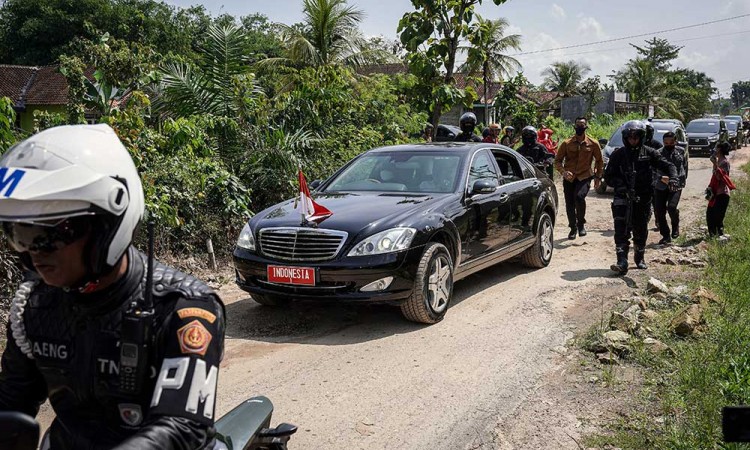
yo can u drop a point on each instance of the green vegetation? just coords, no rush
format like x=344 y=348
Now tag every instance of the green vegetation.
x=707 y=372
x=600 y=127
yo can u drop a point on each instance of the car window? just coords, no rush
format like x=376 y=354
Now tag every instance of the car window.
x=482 y=168
x=703 y=127
x=510 y=169
x=401 y=171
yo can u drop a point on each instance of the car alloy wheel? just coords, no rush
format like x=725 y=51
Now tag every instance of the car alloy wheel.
x=433 y=286
x=440 y=284
x=540 y=254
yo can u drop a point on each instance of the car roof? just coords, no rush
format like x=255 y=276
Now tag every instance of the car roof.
x=432 y=146
x=704 y=120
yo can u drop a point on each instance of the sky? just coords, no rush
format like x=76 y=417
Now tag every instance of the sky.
x=716 y=49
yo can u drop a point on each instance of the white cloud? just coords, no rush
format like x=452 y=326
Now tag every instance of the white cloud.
x=558 y=12
x=590 y=27
x=736 y=7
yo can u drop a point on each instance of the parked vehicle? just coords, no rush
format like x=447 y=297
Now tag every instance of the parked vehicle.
x=742 y=133
x=704 y=134
x=661 y=127
x=246 y=427
x=407 y=222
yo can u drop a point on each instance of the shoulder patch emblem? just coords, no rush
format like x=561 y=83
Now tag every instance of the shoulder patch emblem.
x=194 y=338
x=130 y=414
x=196 y=312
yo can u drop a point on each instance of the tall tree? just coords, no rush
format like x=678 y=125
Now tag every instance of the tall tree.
x=329 y=35
x=487 y=53
x=659 y=52
x=432 y=34
x=565 y=77
x=741 y=93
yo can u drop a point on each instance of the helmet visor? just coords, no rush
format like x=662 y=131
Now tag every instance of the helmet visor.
x=45 y=236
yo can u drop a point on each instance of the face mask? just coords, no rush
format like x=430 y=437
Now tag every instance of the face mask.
x=528 y=140
x=669 y=147
x=580 y=130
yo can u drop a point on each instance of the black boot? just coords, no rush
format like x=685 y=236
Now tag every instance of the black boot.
x=676 y=225
x=573 y=233
x=581 y=230
x=622 y=262
x=640 y=254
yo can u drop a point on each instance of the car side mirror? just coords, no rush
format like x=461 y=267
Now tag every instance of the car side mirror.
x=316 y=183
x=603 y=142
x=451 y=135
x=484 y=186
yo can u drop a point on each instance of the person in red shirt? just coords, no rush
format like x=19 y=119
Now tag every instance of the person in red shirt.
x=494 y=134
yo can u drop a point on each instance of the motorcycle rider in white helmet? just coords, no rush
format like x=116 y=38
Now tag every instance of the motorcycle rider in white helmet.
x=127 y=361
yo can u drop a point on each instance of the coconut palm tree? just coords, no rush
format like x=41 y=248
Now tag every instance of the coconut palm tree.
x=215 y=84
x=565 y=77
x=329 y=35
x=488 y=53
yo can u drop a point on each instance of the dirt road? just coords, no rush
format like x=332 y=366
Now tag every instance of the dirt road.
x=363 y=377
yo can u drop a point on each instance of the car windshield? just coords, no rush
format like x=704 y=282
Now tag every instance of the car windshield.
x=732 y=125
x=703 y=127
x=737 y=118
x=400 y=171
x=616 y=140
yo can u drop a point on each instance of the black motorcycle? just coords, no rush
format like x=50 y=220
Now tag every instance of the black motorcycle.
x=246 y=427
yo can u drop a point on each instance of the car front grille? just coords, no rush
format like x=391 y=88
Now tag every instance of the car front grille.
x=301 y=244
x=698 y=141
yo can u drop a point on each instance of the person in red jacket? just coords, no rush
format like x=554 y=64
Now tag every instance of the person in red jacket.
x=718 y=191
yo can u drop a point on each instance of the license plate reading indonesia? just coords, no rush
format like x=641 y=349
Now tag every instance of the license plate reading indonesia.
x=304 y=276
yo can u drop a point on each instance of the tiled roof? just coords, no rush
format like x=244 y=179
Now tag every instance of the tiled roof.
x=15 y=81
x=29 y=85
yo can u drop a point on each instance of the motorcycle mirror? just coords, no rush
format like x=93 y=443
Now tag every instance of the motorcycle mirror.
x=18 y=431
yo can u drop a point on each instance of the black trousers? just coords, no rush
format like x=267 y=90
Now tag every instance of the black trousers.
x=575 y=201
x=715 y=215
x=638 y=228
x=666 y=201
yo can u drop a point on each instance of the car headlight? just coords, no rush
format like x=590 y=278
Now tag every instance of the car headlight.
x=713 y=139
x=246 y=239
x=387 y=241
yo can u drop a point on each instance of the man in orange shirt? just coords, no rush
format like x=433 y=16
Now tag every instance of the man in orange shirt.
x=574 y=160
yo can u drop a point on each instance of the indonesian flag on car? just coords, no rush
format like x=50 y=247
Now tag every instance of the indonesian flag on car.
x=311 y=211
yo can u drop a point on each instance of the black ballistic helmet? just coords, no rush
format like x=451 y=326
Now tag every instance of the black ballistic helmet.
x=467 y=122
x=528 y=135
x=649 y=131
x=633 y=128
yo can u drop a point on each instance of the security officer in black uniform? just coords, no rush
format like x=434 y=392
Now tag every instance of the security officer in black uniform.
x=667 y=200
x=629 y=172
x=533 y=151
x=467 y=123
x=127 y=360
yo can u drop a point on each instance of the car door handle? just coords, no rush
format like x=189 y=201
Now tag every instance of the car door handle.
x=504 y=198
x=536 y=184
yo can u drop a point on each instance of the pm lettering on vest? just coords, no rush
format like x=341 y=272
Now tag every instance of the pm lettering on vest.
x=195 y=387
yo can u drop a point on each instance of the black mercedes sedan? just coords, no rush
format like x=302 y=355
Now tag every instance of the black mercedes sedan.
x=407 y=222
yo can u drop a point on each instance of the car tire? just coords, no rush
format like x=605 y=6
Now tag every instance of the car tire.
x=602 y=189
x=269 y=300
x=540 y=254
x=433 y=286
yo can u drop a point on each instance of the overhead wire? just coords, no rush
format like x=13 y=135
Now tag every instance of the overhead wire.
x=685 y=27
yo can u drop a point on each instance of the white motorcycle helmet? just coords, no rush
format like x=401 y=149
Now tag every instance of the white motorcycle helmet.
x=57 y=181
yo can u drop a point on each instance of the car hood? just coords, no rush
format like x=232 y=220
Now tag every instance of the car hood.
x=702 y=135
x=361 y=213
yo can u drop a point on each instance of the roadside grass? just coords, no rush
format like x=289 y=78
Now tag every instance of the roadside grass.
x=680 y=404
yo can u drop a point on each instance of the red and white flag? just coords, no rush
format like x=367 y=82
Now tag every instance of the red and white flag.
x=311 y=211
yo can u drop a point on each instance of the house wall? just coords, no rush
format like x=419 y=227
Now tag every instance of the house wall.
x=573 y=107
x=27 y=117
